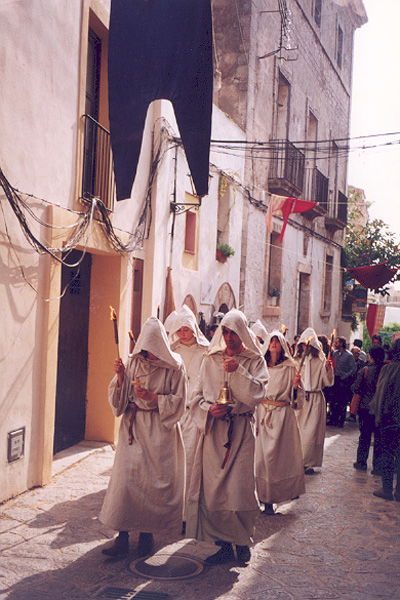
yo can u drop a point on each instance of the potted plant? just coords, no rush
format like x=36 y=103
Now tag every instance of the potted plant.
x=274 y=294
x=224 y=251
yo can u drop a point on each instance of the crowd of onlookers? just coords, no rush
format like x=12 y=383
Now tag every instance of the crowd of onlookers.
x=370 y=385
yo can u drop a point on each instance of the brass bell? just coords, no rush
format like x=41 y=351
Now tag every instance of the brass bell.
x=224 y=396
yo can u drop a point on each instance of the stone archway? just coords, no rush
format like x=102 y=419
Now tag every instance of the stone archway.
x=191 y=303
x=224 y=298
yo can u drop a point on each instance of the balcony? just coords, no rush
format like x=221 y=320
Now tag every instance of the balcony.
x=286 y=177
x=97 y=173
x=337 y=217
x=317 y=189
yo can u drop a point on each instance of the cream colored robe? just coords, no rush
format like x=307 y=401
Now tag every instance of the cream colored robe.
x=221 y=502
x=146 y=488
x=311 y=415
x=279 y=460
x=192 y=357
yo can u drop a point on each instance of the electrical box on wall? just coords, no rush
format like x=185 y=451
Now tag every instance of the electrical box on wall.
x=15 y=444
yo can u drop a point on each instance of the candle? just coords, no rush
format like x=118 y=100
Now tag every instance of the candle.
x=113 y=317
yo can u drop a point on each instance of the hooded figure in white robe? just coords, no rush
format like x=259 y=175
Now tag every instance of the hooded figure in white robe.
x=278 y=458
x=261 y=334
x=191 y=348
x=316 y=374
x=146 y=489
x=222 y=506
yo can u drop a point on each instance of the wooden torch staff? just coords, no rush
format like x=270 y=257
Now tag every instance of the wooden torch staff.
x=113 y=317
x=331 y=343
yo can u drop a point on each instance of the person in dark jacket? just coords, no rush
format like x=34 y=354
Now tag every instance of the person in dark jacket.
x=386 y=408
x=364 y=390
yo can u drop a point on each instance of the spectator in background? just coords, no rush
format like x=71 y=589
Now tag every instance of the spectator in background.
x=358 y=343
x=386 y=408
x=360 y=362
x=376 y=340
x=363 y=393
x=345 y=370
x=293 y=346
x=324 y=343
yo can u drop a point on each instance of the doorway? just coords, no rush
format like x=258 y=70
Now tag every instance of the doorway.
x=303 y=312
x=72 y=362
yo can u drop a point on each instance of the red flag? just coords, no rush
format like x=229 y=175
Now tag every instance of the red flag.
x=375 y=318
x=294 y=205
x=279 y=205
x=373 y=276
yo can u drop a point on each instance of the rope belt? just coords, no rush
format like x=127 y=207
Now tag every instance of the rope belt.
x=268 y=413
x=134 y=409
x=228 y=445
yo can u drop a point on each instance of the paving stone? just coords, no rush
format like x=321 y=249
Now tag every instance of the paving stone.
x=336 y=541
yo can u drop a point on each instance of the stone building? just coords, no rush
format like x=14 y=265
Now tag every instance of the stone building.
x=285 y=78
x=57 y=347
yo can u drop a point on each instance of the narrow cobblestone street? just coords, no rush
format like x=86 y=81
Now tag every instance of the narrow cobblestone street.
x=336 y=541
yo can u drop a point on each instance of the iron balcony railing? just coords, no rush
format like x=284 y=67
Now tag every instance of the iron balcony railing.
x=287 y=170
x=317 y=187
x=98 y=176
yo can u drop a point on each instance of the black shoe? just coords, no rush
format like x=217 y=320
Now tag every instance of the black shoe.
x=381 y=493
x=145 y=545
x=309 y=471
x=376 y=472
x=183 y=530
x=268 y=509
x=397 y=496
x=120 y=546
x=243 y=554
x=225 y=554
x=360 y=466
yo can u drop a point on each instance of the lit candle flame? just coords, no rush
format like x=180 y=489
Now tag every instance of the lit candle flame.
x=113 y=314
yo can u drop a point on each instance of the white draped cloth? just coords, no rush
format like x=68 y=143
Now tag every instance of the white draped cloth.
x=192 y=356
x=221 y=501
x=260 y=331
x=278 y=457
x=146 y=489
x=311 y=416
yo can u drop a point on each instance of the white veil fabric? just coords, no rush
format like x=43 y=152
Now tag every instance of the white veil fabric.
x=169 y=321
x=185 y=317
x=311 y=337
x=237 y=322
x=260 y=331
x=284 y=343
x=153 y=338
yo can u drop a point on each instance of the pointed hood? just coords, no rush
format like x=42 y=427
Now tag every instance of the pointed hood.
x=237 y=322
x=259 y=330
x=184 y=317
x=309 y=335
x=169 y=321
x=283 y=342
x=153 y=338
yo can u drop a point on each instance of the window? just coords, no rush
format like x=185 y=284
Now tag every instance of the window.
x=97 y=171
x=282 y=109
x=190 y=232
x=339 y=46
x=224 y=209
x=327 y=290
x=317 y=12
x=274 y=270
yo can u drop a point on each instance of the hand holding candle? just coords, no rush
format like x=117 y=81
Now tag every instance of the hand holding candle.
x=113 y=317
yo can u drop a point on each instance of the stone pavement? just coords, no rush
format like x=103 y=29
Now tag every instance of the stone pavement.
x=336 y=541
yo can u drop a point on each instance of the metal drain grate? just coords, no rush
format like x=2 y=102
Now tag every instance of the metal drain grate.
x=167 y=567
x=115 y=593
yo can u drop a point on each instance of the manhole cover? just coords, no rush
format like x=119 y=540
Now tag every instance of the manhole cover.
x=166 y=566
